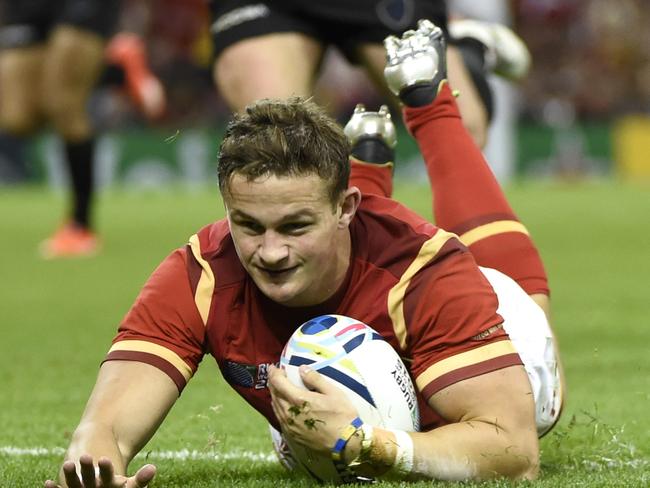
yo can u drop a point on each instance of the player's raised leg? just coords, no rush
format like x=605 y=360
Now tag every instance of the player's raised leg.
x=467 y=199
x=372 y=138
x=469 y=202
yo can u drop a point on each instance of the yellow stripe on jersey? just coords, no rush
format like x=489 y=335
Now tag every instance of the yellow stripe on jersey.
x=464 y=359
x=396 y=294
x=162 y=352
x=491 y=229
x=205 y=287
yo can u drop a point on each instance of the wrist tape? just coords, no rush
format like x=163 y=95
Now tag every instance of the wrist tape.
x=404 y=452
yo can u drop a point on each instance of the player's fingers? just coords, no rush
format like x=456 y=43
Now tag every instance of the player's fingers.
x=51 y=484
x=144 y=475
x=274 y=372
x=88 y=473
x=282 y=392
x=316 y=381
x=106 y=471
x=280 y=385
x=70 y=475
x=276 y=411
x=276 y=377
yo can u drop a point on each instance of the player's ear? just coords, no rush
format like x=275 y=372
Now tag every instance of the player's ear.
x=349 y=203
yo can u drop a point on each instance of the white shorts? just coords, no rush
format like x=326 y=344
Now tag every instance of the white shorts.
x=529 y=330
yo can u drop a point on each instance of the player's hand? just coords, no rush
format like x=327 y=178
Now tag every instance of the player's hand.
x=102 y=477
x=313 y=418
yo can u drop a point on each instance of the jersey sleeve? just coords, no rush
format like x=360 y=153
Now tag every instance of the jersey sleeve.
x=164 y=328
x=454 y=328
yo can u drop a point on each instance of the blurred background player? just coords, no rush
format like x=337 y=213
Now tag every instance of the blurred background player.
x=272 y=49
x=128 y=66
x=52 y=54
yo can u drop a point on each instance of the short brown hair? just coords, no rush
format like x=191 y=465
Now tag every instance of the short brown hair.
x=285 y=138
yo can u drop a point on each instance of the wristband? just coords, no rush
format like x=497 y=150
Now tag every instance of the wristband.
x=367 y=435
x=366 y=441
x=404 y=455
x=344 y=437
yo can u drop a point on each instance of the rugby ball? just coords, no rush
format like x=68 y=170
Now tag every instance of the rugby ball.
x=357 y=359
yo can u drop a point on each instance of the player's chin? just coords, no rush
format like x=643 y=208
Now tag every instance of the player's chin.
x=283 y=295
x=284 y=292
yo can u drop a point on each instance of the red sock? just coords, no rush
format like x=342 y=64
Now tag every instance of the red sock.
x=467 y=198
x=372 y=178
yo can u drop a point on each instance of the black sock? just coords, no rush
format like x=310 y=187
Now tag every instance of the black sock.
x=418 y=95
x=13 y=166
x=80 y=164
x=372 y=149
x=473 y=53
x=113 y=75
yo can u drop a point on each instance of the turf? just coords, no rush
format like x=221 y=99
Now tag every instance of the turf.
x=58 y=318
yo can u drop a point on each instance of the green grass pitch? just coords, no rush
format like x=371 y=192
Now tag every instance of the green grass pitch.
x=57 y=319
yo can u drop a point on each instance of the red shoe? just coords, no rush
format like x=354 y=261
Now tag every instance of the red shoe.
x=128 y=51
x=70 y=241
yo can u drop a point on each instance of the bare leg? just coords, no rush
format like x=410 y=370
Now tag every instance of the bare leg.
x=270 y=66
x=72 y=66
x=74 y=60
x=20 y=73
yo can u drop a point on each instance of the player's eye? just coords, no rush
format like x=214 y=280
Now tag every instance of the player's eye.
x=250 y=227
x=294 y=228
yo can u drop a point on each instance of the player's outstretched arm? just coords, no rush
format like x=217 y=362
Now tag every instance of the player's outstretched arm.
x=492 y=431
x=128 y=403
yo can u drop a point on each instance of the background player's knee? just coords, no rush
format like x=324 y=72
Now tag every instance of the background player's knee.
x=18 y=122
x=271 y=66
x=20 y=81
x=72 y=67
x=67 y=115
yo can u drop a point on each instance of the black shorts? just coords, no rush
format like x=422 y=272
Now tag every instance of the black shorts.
x=28 y=22
x=343 y=23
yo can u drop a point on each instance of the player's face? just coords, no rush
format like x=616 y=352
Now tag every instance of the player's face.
x=290 y=238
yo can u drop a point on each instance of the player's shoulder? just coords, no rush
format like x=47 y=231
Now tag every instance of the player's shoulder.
x=389 y=234
x=212 y=249
x=211 y=238
x=384 y=217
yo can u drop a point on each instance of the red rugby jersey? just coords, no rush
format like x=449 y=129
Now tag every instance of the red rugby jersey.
x=415 y=284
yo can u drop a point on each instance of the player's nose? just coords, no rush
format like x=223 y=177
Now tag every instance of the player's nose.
x=273 y=250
